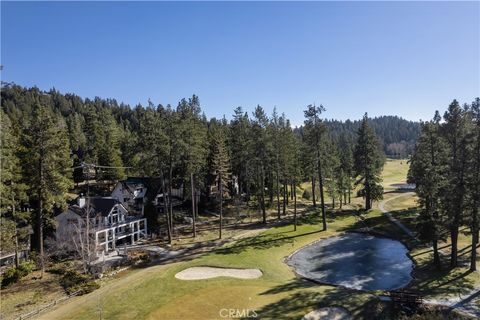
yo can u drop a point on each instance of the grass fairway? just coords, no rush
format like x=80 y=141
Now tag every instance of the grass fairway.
x=154 y=292
x=395 y=171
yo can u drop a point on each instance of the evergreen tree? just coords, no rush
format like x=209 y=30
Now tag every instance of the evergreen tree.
x=261 y=145
x=240 y=146
x=46 y=168
x=316 y=130
x=109 y=154
x=220 y=165
x=454 y=130
x=194 y=146
x=473 y=181
x=346 y=167
x=427 y=171
x=368 y=164
x=12 y=189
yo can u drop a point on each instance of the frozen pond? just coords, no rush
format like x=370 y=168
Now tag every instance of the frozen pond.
x=355 y=260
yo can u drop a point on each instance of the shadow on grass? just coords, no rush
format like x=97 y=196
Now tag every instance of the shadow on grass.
x=443 y=282
x=298 y=303
x=263 y=242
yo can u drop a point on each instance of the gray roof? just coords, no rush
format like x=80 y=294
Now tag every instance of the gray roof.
x=98 y=205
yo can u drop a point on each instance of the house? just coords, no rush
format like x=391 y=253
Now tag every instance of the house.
x=132 y=194
x=22 y=252
x=135 y=192
x=108 y=221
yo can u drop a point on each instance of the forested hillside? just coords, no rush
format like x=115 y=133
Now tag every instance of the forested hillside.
x=397 y=135
x=121 y=122
x=47 y=136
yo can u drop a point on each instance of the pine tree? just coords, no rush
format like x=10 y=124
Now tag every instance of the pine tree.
x=109 y=153
x=368 y=164
x=194 y=147
x=455 y=133
x=12 y=189
x=240 y=146
x=315 y=134
x=46 y=168
x=346 y=167
x=473 y=181
x=277 y=147
x=427 y=171
x=220 y=165
x=261 y=145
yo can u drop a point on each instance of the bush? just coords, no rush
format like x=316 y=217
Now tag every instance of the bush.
x=306 y=195
x=10 y=276
x=26 y=267
x=13 y=275
x=72 y=281
x=61 y=268
x=89 y=287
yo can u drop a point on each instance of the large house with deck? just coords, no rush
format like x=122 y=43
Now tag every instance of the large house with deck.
x=109 y=223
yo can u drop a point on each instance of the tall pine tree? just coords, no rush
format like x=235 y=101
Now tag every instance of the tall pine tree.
x=368 y=164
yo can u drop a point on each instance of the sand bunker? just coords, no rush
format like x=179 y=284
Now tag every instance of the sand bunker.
x=199 y=273
x=329 y=313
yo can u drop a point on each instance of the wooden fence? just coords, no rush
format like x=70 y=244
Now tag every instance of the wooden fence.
x=47 y=306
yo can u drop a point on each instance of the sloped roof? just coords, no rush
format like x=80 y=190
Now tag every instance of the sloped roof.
x=98 y=205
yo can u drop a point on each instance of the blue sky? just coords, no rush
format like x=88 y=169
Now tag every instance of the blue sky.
x=407 y=58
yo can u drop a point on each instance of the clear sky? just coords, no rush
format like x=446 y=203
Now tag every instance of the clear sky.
x=405 y=59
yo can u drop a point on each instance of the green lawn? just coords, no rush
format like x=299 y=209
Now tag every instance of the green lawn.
x=154 y=293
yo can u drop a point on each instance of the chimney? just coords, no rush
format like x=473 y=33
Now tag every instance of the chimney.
x=81 y=201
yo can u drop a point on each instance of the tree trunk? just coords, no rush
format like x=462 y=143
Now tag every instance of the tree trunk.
x=285 y=198
x=286 y=191
x=294 y=192
x=193 y=205
x=262 y=195
x=40 y=236
x=454 y=250
x=221 y=206
x=436 y=255
x=473 y=255
x=270 y=189
x=320 y=184
x=17 y=259
x=170 y=202
x=313 y=192
x=165 y=210
x=368 y=202
x=349 y=192
x=278 y=196
x=40 y=217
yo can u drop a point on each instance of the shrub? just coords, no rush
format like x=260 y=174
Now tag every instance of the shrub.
x=89 y=287
x=13 y=275
x=10 y=276
x=61 y=268
x=306 y=195
x=72 y=281
x=26 y=267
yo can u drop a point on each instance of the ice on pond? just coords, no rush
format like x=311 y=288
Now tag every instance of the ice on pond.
x=355 y=260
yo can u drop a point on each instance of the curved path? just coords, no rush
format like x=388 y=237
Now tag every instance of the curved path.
x=404 y=228
x=467 y=304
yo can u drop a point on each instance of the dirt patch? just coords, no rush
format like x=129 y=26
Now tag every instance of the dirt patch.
x=200 y=273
